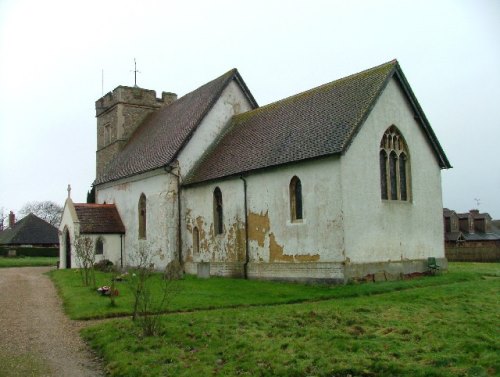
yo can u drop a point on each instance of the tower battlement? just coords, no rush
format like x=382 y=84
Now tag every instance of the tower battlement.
x=118 y=114
x=133 y=96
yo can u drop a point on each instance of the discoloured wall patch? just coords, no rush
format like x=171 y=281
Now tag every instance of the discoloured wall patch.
x=276 y=253
x=258 y=227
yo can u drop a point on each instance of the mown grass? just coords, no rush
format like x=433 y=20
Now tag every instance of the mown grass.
x=436 y=326
x=27 y=261
x=198 y=294
x=445 y=325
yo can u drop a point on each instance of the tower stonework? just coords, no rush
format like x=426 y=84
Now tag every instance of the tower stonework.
x=118 y=114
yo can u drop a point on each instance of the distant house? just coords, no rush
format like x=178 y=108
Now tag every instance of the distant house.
x=31 y=232
x=471 y=236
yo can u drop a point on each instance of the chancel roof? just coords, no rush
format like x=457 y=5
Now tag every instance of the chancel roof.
x=99 y=219
x=319 y=122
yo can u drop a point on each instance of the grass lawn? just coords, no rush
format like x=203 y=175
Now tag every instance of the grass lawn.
x=445 y=325
x=197 y=294
x=27 y=261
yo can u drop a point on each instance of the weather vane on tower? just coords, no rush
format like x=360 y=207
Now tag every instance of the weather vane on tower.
x=135 y=73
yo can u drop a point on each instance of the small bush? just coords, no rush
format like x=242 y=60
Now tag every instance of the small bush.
x=31 y=251
x=104 y=265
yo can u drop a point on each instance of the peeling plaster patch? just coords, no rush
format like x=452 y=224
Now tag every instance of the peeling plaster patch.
x=236 y=242
x=276 y=253
x=258 y=227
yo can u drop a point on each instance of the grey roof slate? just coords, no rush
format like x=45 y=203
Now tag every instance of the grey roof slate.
x=319 y=122
x=158 y=140
x=30 y=230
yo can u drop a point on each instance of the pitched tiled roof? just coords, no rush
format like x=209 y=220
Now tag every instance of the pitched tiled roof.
x=315 y=123
x=162 y=135
x=30 y=230
x=99 y=219
x=453 y=236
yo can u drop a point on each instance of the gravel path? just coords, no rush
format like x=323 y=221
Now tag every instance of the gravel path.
x=36 y=338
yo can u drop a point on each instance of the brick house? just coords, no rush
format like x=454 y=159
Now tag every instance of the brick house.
x=471 y=236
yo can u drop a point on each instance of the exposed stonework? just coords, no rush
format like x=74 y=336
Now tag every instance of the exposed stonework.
x=119 y=113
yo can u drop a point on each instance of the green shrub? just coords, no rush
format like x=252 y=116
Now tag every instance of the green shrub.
x=31 y=251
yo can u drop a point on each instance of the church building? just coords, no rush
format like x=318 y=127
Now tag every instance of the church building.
x=339 y=182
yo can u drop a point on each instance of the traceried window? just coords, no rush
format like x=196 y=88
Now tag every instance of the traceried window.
x=295 y=199
x=218 y=212
x=99 y=247
x=394 y=166
x=196 y=240
x=142 y=217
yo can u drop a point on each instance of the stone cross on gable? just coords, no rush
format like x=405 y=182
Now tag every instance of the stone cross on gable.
x=69 y=191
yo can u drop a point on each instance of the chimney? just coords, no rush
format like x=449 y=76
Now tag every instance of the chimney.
x=12 y=219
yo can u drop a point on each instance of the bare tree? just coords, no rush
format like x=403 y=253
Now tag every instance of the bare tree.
x=3 y=217
x=46 y=210
x=85 y=254
x=147 y=305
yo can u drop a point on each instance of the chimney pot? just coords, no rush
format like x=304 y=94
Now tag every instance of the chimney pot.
x=12 y=219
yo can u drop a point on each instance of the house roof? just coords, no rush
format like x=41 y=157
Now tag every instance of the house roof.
x=480 y=236
x=99 y=219
x=453 y=236
x=162 y=135
x=30 y=230
x=319 y=122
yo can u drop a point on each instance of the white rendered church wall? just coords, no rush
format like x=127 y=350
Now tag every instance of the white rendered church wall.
x=198 y=212
x=388 y=230
x=232 y=101
x=274 y=236
x=160 y=189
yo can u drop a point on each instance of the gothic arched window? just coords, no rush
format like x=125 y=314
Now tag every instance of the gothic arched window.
x=196 y=240
x=99 y=246
x=394 y=166
x=142 y=217
x=218 y=212
x=295 y=199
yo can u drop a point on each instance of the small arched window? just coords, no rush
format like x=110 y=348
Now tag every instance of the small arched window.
x=394 y=166
x=296 y=199
x=218 y=212
x=142 y=217
x=99 y=246
x=196 y=240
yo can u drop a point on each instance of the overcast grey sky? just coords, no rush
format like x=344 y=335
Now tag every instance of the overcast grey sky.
x=53 y=53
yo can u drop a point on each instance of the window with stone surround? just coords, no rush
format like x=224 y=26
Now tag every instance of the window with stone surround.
x=99 y=246
x=394 y=166
x=218 y=212
x=142 y=216
x=296 y=199
x=196 y=241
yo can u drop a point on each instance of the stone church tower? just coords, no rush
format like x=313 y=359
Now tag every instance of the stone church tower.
x=119 y=113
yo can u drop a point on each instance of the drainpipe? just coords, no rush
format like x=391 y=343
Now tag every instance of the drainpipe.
x=247 y=254
x=121 y=251
x=169 y=169
x=179 y=222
